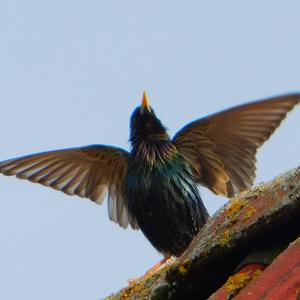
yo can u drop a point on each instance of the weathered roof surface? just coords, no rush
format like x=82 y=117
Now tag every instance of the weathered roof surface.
x=280 y=280
x=251 y=230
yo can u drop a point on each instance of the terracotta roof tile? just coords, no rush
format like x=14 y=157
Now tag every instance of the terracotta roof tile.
x=280 y=280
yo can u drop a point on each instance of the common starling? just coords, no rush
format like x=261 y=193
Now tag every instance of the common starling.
x=154 y=187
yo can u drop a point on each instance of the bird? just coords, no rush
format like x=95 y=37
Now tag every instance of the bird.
x=154 y=187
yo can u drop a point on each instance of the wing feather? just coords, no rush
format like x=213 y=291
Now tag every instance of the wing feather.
x=93 y=172
x=221 y=148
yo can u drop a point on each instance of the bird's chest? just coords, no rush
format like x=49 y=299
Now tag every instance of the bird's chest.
x=166 y=205
x=142 y=182
x=155 y=191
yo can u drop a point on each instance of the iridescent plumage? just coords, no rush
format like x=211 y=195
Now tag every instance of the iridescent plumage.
x=160 y=187
x=154 y=187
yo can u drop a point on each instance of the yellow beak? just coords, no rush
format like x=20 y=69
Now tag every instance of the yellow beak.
x=145 y=102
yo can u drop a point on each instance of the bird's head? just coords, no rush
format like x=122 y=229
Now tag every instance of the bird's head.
x=145 y=126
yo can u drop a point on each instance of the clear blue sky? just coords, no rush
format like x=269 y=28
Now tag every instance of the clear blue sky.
x=71 y=72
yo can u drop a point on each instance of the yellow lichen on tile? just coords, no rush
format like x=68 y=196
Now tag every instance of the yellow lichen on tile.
x=237 y=282
x=142 y=286
x=139 y=286
x=256 y=274
x=249 y=213
x=133 y=289
x=235 y=206
x=224 y=237
x=182 y=269
x=233 y=210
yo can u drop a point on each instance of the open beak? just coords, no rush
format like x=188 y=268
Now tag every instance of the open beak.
x=145 y=102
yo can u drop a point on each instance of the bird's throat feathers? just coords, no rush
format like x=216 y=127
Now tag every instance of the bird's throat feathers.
x=154 y=152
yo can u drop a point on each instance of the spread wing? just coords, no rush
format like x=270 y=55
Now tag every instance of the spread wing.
x=222 y=147
x=93 y=172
